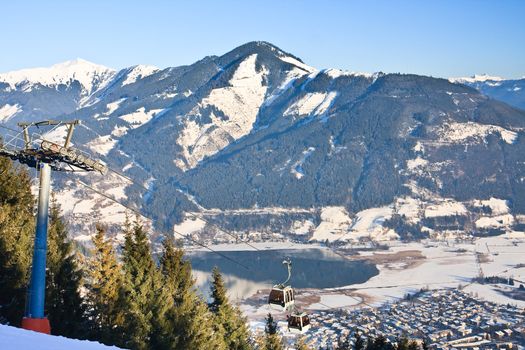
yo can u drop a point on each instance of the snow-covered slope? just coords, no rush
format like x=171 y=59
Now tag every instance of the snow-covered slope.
x=511 y=91
x=12 y=338
x=477 y=78
x=90 y=75
x=363 y=156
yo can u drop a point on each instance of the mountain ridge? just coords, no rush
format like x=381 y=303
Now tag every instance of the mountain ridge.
x=255 y=128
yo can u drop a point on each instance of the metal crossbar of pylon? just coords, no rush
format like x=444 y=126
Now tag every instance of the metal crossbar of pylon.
x=45 y=156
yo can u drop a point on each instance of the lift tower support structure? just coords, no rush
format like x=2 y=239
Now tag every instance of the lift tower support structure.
x=45 y=156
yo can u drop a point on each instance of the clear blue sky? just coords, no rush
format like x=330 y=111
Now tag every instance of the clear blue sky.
x=440 y=38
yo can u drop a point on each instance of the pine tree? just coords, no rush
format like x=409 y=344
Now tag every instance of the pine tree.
x=234 y=325
x=138 y=290
x=104 y=280
x=412 y=345
x=402 y=343
x=65 y=307
x=218 y=291
x=301 y=344
x=16 y=240
x=359 y=343
x=343 y=344
x=187 y=323
x=197 y=326
x=272 y=340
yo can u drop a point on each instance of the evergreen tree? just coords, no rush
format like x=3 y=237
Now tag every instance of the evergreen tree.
x=301 y=344
x=65 y=307
x=196 y=325
x=138 y=289
x=370 y=343
x=412 y=345
x=16 y=240
x=344 y=344
x=229 y=317
x=104 y=280
x=424 y=346
x=402 y=343
x=218 y=291
x=380 y=343
x=359 y=343
x=272 y=340
x=187 y=322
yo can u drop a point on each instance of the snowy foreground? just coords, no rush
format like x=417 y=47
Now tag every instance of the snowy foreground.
x=12 y=338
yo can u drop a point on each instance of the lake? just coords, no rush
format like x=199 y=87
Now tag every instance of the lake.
x=311 y=268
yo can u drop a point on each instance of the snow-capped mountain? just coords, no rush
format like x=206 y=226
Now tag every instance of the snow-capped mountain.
x=90 y=75
x=511 y=91
x=264 y=145
x=38 y=93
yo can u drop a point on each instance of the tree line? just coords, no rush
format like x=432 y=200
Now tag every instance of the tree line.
x=131 y=299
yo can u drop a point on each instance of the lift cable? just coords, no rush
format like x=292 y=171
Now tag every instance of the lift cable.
x=180 y=234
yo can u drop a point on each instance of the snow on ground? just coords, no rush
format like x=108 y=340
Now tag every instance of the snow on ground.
x=12 y=338
x=139 y=117
x=316 y=103
x=495 y=221
x=415 y=163
x=113 y=106
x=336 y=73
x=139 y=72
x=448 y=207
x=81 y=206
x=475 y=78
x=461 y=132
x=257 y=211
x=298 y=63
x=189 y=225
x=335 y=223
x=369 y=223
x=496 y=205
x=409 y=208
x=297 y=167
x=88 y=74
x=119 y=131
x=9 y=111
x=447 y=265
x=291 y=76
x=302 y=227
x=240 y=103
x=102 y=144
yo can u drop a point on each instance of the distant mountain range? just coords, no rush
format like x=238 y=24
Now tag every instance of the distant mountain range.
x=511 y=91
x=264 y=146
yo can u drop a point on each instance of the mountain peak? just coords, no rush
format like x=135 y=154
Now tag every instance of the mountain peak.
x=88 y=74
x=476 y=78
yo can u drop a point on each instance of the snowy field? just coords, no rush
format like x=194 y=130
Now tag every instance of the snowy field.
x=12 y=338
x=408 y=267
x=447 y=265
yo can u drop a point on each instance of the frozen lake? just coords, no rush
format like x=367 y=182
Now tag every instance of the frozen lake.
x=312 y=268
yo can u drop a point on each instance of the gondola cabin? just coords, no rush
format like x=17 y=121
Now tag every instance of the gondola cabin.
x=281 y=298
x=298 y=323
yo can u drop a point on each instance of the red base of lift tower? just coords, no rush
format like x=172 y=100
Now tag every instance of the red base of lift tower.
x=36 y=324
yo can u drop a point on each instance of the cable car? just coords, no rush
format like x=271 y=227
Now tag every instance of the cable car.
x=282 y=296
x=298 y=322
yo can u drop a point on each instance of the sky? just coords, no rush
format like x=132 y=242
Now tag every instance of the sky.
x=443 y=38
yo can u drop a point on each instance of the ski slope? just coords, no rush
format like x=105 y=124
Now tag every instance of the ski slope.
x=12 y=338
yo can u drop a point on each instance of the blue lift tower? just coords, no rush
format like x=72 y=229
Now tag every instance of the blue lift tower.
x=44 y=155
